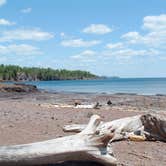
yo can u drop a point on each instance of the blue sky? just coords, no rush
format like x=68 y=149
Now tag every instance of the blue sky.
x=107 y=37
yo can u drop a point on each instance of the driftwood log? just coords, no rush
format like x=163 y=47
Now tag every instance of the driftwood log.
x=136 y=128
x=88 y=145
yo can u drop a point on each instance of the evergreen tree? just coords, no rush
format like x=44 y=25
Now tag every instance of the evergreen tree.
x=16 y=73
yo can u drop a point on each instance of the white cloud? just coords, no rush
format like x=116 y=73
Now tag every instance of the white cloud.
x=97 y=29
x=156 y=35
x=132 y=37
x=2 y=2
x=79 y=43
x=115 y=45
x=62 y=34
x=22 y=49
x=88 y=52
x=128 y=52
x=114 y=54
x=6 y=22
x=26 y=10
x=84 y=54
x=25 y=34
x=155 y=23
x=155 y=39
x=135 y=44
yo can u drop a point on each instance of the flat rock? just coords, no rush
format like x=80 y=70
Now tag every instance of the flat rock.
x=18 y=88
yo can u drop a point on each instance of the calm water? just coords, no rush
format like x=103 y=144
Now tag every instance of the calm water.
x=146 y=86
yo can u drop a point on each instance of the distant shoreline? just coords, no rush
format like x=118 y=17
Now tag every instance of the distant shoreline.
x=17 y=73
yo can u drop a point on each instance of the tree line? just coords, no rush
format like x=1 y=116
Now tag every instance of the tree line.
x=17 y=73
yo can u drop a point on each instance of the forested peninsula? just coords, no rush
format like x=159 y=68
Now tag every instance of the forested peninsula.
x=17 y=73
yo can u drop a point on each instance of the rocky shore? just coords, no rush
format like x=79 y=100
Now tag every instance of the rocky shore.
x=30 y=116
x=18 y=87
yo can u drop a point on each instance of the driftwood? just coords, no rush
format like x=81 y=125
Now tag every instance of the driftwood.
x=88 y=106
x=84 y=106
x=88 y=145
x=136 y=128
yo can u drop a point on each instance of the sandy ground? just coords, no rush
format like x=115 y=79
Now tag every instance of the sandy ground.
x=26 y=118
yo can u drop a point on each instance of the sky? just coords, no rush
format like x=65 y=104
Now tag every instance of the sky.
x=125 y=38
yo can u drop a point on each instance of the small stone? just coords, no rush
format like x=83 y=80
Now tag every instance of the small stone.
x=109 y=102
x=11 y=126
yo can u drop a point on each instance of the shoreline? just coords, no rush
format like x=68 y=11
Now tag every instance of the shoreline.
x=119 y=100
x=98 y=93
x=86 y=93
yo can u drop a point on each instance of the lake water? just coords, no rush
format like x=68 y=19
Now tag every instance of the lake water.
x=147 y=86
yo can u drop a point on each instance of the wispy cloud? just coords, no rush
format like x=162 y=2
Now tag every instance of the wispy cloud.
x=79 y=43
x=132 y=37
x=84 y=54
x=21 y=49
x=99 y=29
x=26 y=10
x=2 y=2
x=62 y=34
x=128 y=52
x=115 y=45
x=25 y=34
x=6 y=22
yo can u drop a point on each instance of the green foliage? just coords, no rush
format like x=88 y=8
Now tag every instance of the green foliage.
x=16 y=73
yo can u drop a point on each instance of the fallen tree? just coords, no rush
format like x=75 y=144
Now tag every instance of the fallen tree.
x=136 y=128
x=88 y=145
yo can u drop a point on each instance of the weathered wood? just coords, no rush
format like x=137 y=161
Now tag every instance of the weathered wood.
x=74 y=128
x=136 y=128
x=89 y=145
x=154 y=126
x=120 y=128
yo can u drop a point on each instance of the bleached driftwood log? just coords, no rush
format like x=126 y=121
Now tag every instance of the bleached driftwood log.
x=136 y=128
x=89 y=145
x=88 y=106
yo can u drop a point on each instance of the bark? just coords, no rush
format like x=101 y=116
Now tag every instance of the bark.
x=154 y=126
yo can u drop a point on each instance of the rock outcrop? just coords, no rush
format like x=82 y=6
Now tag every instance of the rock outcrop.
x=18 y=88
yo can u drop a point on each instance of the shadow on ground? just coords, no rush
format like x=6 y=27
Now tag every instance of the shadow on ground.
x=75 y=163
